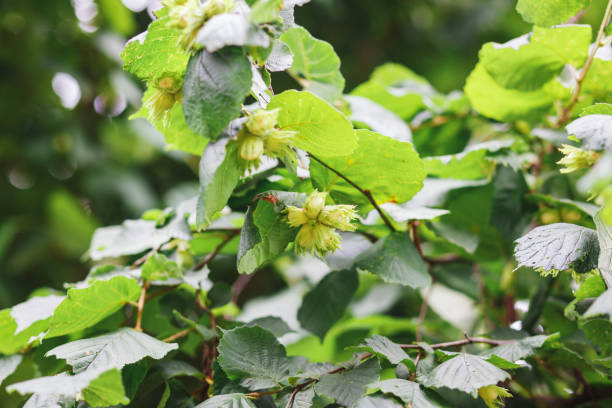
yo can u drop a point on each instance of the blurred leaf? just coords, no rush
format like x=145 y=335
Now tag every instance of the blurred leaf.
x=346 y=387
x=549 y=12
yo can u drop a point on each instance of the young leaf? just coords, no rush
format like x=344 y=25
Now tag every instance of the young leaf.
x=158 y=267
x=264 y=11
x=408 y=391
x=315 y=62
x=347 y=387
x=395 y=259
x=390 y=170
x=314 y=120
x=98 y=389
x=464 y=372
x=83 y=308
x=549 y=12
x=595 y=131
x=254 y=356
x=325 y=304
x=227 y=401
x=220 y=172
x=114 y=350
x=383 y=346
x=228 y=29
x=215 y=87
x=558 y=247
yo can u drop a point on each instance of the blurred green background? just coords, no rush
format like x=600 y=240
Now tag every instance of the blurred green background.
x=71 y=161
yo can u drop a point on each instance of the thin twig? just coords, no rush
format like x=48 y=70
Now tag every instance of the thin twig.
x=414 y=227
x=162 y=291
x=240 y=284
x=217 y=249
x=458 y=343
x=445 y=259
x=366 y=193
x=144 y=258
x=141 y=303
x=178 y=335
x=422 y=314
x=565 y=114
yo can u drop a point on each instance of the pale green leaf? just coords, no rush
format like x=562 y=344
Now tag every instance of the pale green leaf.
x=517 y=350
x=314 y=120
x=549 y=12
x=8 y=365
x=228 y=29
x=326 y=303
x=315 y=62
x=595 y=131
x=83 y=308
x=378 y=118
x=159 y=268
x=604 y=236
x=264 y=11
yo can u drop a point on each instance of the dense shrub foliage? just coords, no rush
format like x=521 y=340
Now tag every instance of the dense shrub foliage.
x=428 y=249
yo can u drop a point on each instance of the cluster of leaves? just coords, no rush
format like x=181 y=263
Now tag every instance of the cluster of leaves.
x=442 y=190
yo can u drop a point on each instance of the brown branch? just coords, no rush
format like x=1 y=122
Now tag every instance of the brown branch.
x=162 y=291
x=178 y=335
x=422 y=314
x=144 y=258
x=565 y=114
x=141 y=303
x=575 y=400
x=366 y=193
x=217 y=249
x=445 y=259
x=414 y=227
x=458 y=343
x=240 y=284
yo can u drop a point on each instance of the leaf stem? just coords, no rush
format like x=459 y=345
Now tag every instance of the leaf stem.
x=178 y=335
x=565 y=114
x=217 y=249
x=366 y=193
x=458 y=343
x=141 y=303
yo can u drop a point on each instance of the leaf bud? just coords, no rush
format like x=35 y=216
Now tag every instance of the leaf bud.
x=576 y=159
x=262 y=122
x=339 y=216
x=492 y=395
x=251 y=147
x=314 y=204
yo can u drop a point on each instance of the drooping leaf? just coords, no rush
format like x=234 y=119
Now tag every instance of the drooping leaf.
x=549 y=12
x=325 y=304
x=464 y=372
x=215 y=87
x=20 y=325
x=316 y=62
x=265 y=233
x=227 y=401
x=390 y=170
x=229 y=29
x=378 y=118
x=114 y=350
x=155 y=52
x=595 y=131
x=98 y=389
x=253 y=356
x=347 y=387
x=408 y=391
x=83 y=308
x=558 y=247
x=395 y=259
x=518 y=349
x=314 y=120
x=383 y=346
x=220 y=172
x=8 y=365
x=505 y=105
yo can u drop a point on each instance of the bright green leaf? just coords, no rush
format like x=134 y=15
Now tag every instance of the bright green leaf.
x=549 y=12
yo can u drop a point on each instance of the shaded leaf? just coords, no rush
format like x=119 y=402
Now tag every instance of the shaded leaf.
x=227 y=29
x=383 y=346
x=604 y=236
x=408 y=391
x=517 y=350
x=347 y=387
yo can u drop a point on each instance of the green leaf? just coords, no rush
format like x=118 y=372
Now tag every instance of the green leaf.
x=264 y=11
x=549 y=12
x=378 y=402
x=504 y=105
x=594 y=286
x=386 y=79
x=49 y=401
x=558 y=247
x=347 y=387
x=315 y=62
x=601 y=306
x=314 y=120
x=597 y=109
x=154 y=53
x=395 y=259
x=595 y=131
x=273 y=324
x=408 y=391
x=83 y=308
x=214 y=89
x=220 y=172
x=265 y=235
x=378 y=118
x=228 y=29
x=571 y=42
x=373 y=166
x=98 y=389
x=158 y=267
x=175 y=130
x=384 y=347
x=227 y=401
x=20 y=325
x=8 y=365
x=254 y=356
x=464 y=372
x=517 y=350
x=325 y=304
x=604 y=236
x=113 y=350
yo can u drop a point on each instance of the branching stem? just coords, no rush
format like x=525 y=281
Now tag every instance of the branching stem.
x=141 y=303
